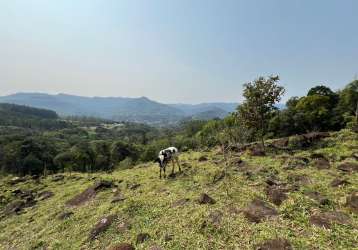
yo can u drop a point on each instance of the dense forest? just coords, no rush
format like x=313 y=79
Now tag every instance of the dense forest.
x=36 y=141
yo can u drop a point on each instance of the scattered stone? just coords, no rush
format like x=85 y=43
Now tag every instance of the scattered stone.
x=299 y=179
x=89 y=193
x=45 y=195
x=218 y=177
x=352 y=202
x=339 y=182
x=275 y=244
x=118 y=197
x=206 y=199
x=142 y=237
x=123 y=226
x=122 y=246
x=259 y=210
x=257 y=151
x=348 y=167
x=215 y=218
x=101 y=226
x=16 y=180
x=276 y=195
x=202 y=158
x=155 y=247
x=168 y=237
x=327 y=219
x=321 y=163
x=316 y=156
x=58 y=178
x=180 y=202
x=133 y=186
x=14 y=207
x=314 y=195
x=65 y=215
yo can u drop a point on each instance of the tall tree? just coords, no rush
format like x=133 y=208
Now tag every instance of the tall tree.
x=261 y=95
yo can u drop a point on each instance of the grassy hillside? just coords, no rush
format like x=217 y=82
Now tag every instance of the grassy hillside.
x=170 y=213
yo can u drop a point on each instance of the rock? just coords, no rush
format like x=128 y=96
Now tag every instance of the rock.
x=45 y=195
x=58 y=178
x=314 y=195
x=355 y=156
x=327 y=219
x=65 y=215
x=180 y=202
x=202 y=158
x=352 y=202
x=155 y=247
x=122 y=246
x=206 y=199
x=272 y=181
x=133 y=186
x=88 y=194
x=276 y=195
x=14 y=207
x=299 y=180
x=215 y=218
x=349 y=167
x=16 y=180
x=339 y=182
x=218 y=177
x=257 y=151
x=101 y=226
x=142 y=237
x=168 y=237
x=275 y=244
x=322 y=163
x=281 y=143
x=123 y=226
x=118 y=197
x=316 y=156
x=259 y=210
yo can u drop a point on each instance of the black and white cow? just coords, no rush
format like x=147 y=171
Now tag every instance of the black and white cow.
x=165 y=156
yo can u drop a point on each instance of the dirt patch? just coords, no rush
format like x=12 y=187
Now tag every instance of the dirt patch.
x=339 y=182
x=180 y=202
x=321 y=163
x=122 y=246
x=352 y=202
x=89 y=193
x=276 y=195
x=206 y=199
x=349 y=167
x=142 y=237
x=259 y=210
x=275 y=244
x=101 y=226
x=327 y=219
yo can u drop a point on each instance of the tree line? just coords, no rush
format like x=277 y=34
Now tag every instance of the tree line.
x=27 y=146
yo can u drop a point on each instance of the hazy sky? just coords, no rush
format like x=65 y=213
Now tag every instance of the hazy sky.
x=175 y=51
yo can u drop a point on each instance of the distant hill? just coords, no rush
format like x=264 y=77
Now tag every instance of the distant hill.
x=29 y=117
x=142 y=110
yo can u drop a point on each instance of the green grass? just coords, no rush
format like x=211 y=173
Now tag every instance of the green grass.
x=149 y=209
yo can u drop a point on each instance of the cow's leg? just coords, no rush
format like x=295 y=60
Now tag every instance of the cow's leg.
x=164 y=172
x=177 y=161
x=173 y=166
x=160 y=173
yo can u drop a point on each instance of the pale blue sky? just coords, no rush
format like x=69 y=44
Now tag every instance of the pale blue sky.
x=175 y=51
